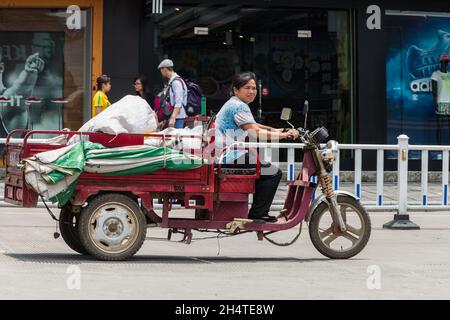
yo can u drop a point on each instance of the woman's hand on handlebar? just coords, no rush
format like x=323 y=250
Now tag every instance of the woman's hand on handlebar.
x=294 y=134
x=290 y=134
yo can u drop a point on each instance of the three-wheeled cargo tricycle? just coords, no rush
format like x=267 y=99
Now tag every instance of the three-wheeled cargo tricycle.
x=108 y=215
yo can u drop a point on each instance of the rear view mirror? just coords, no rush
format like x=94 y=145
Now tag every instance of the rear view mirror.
x=306 y=107
x=286 y=114
x=305 y=112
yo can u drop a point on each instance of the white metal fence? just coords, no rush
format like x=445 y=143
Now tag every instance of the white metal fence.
x=402 y=148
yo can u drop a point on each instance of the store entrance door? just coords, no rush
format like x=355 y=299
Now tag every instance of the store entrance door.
x=296 y=53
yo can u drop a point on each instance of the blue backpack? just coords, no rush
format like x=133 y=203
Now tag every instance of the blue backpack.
x=194 y=97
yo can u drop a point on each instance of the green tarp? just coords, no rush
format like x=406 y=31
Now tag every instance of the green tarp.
x=92 y=157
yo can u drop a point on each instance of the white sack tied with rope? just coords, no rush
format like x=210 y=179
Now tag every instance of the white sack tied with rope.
x=131 y=114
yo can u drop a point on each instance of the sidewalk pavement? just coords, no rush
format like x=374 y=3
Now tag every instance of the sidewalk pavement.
x=390 y=192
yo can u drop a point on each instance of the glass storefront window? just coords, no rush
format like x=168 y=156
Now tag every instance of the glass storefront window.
x=416 y=105
x=44 y=70
x=265 y=41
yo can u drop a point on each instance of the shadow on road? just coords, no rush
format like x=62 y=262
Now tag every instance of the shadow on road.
x=64 y=258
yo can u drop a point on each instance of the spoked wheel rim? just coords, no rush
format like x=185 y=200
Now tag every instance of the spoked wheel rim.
x=336 y=240
x=113 y=228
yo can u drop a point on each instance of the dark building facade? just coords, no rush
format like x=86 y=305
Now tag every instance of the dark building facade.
x=358 y=63
x=365 y=67
x=262 y=36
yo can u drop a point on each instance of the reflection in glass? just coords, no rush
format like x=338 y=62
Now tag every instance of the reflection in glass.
x=266 y=42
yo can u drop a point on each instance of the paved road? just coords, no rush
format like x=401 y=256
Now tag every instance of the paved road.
x=411 y=264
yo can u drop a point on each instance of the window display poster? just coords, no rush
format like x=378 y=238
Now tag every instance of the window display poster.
x=31 y=80
x=414 y=46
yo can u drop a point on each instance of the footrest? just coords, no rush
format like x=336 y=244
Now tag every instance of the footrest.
x=237 y=224
x=302 y=183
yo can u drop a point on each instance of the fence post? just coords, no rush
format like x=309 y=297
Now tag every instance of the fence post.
x=401 y=219
x=445 y=160
x=380 y=176
x=290 y=164
x=424 y=178
x=358 y=165
x=336 y=171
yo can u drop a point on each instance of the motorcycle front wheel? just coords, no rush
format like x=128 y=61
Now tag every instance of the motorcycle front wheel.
x=327 y=237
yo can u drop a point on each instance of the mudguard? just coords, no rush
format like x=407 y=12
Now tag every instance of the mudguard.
x=321 y=199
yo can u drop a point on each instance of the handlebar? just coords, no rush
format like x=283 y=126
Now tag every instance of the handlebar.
x=300 y=130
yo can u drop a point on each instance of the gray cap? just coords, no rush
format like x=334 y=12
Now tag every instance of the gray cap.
x=166 y=63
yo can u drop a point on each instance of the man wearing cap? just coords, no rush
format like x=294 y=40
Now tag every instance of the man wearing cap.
x=177 y=93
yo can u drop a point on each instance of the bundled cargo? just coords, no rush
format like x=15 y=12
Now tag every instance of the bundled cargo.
x=54 y=174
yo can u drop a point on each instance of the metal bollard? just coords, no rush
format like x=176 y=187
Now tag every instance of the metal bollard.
x=401 y=219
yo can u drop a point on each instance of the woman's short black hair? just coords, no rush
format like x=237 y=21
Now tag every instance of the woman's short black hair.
x=241 y=79
x=103 y=79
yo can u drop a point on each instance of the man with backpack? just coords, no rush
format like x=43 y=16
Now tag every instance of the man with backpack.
x=180 y=98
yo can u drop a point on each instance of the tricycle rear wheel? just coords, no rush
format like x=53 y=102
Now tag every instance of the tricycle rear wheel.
x=112 y=227
x=68 y=225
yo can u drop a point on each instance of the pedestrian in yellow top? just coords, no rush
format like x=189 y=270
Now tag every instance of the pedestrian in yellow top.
x=100 y=100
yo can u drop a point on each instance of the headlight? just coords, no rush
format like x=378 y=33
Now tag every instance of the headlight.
x=329 y=153
x=320 y=135
x=332 y=144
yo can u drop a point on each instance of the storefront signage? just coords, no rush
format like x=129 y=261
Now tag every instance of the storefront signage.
x=14 y=101
x=303 y=33
x=201 y=30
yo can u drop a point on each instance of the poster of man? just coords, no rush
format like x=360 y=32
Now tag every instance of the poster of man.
x=31 y=69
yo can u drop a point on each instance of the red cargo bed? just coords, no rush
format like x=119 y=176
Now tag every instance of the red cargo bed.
x=193 y=182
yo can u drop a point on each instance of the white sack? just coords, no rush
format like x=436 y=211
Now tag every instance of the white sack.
x=131 y=114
